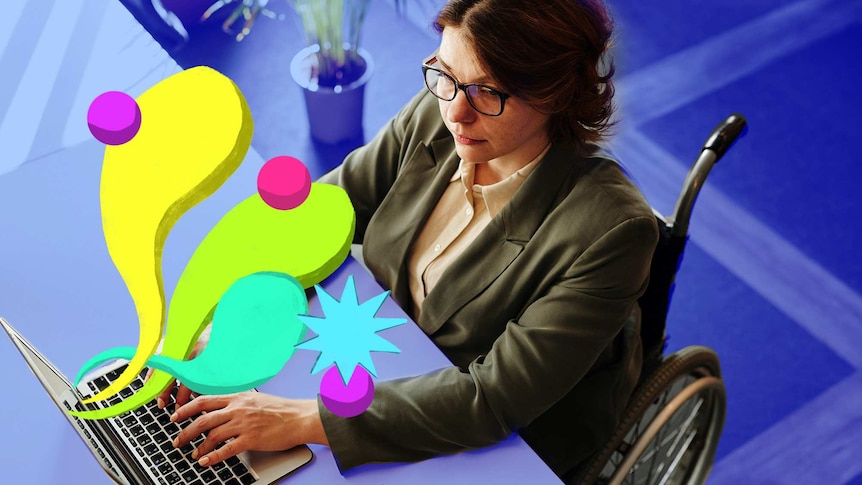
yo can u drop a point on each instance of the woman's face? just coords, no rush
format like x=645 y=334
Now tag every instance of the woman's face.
x=510 y=140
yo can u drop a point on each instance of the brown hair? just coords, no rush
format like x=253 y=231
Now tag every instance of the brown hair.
x=549 y=53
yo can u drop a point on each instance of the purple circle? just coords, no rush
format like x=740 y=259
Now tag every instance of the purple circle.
x=347 y=401
x=114 y=118
x=284 y=182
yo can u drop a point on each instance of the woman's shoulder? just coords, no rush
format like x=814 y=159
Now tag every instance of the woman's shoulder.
x=598 y=183
x=595 y=195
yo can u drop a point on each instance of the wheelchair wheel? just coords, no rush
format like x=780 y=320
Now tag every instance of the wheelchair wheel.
x=671 y=427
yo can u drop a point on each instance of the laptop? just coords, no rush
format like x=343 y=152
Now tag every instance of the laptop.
x=135 y=448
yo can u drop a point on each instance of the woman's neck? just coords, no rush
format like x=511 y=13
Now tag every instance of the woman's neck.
x=496 y=170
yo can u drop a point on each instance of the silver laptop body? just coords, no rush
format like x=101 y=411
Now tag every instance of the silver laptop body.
x=135 y=447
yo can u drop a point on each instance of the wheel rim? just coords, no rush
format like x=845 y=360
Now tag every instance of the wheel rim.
x=674 y=440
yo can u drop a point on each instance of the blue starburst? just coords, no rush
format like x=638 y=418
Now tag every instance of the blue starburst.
x=347 y=334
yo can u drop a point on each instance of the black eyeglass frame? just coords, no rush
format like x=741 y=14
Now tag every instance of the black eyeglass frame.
x=426 y=66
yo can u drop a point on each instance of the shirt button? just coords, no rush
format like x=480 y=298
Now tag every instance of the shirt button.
x=436 y=248
x=469 y=212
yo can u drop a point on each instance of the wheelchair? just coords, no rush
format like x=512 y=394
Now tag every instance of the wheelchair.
x=670 y=430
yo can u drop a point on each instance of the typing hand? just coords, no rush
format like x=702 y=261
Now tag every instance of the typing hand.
x=183 y=393
x=251 y=420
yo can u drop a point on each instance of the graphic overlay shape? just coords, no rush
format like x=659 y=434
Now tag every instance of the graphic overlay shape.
x=114 y=118
x=348 y=400
x=254 y=331
x=252 y=237
x=347 y=334
x=283 y=183
x=196 y=129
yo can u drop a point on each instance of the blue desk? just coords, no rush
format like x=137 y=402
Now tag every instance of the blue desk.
x=60 y=289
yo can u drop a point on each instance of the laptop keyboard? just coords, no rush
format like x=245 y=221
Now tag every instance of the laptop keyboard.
x=149 y=431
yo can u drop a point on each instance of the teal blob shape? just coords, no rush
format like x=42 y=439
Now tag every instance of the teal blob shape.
x=102 y=357
x=255 y=328
x=254 y=332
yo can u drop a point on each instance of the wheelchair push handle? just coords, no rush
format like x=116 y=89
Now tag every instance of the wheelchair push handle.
x=719 y=141
x=723 y=136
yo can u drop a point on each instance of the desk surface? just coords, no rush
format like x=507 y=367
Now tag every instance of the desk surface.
x=60 y=289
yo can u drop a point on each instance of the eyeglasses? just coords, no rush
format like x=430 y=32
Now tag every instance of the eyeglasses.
x=484 y=99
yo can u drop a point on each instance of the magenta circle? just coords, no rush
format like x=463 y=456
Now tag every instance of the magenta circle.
x=114 y=117
x=283 y=182
x=347 y=401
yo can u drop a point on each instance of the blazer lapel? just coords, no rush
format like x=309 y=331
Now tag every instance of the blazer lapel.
x=499 y=243
x=423 y=180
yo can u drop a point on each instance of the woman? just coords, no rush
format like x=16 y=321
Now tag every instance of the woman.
x=517 y=246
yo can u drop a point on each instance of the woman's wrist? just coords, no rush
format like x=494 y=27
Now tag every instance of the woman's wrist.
x=312 y=424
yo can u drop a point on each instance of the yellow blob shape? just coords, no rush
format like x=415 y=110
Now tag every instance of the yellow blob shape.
x=196 y=129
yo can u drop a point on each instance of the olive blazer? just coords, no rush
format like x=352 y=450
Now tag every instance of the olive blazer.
x=538 y=315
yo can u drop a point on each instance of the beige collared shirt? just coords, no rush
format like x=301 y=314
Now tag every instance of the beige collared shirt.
x=463 y=211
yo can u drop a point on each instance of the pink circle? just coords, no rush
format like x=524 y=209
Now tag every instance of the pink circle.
x=347 y=401
x=114 y=118
x=283 y=183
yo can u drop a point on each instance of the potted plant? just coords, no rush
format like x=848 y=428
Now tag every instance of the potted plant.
x=333 y=69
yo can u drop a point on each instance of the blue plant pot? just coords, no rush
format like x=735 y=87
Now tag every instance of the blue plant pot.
x=334 y=113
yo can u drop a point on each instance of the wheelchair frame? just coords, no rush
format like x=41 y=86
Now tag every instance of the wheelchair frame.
x=670 y=430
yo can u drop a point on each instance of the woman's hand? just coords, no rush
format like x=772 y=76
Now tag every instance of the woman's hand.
x=183 y=393
x=254 y=420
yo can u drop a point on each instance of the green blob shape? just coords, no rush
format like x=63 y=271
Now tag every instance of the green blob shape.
x=308 y=242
